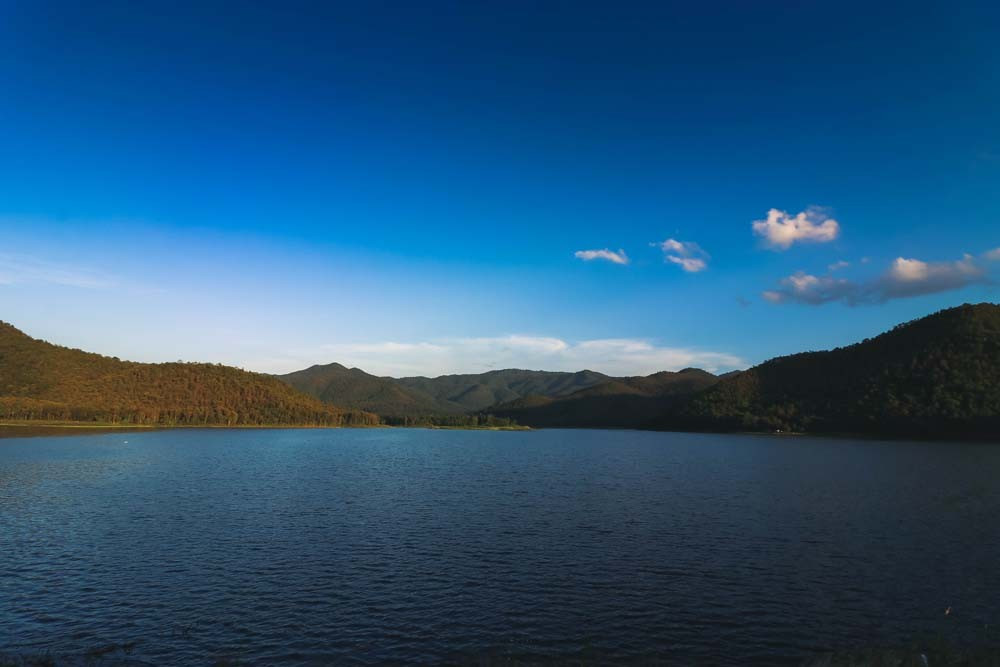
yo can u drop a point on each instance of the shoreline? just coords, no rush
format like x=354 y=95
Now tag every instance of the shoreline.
x=57 y=426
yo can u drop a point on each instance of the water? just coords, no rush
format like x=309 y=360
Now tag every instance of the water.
x=400 y=545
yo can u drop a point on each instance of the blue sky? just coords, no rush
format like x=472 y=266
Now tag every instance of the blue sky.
x=456 y=187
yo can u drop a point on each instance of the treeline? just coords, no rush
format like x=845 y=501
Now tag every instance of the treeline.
x=458 y=421
x=26 y=409
x=40 y=381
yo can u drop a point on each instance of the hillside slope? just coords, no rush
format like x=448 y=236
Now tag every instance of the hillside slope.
x=352 y=387
x=444 y=395
x=939 y=375
x=483 y=390
x=41 y=381
x=630 y=402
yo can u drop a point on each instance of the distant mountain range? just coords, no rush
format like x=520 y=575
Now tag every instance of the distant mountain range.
x=936 y=376
x=939 y=375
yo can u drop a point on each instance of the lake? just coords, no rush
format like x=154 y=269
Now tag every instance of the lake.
x=406 y=545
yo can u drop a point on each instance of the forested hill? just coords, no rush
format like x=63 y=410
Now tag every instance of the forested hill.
x=443 y=395
x=41 y=381
x=482 y=390
x=352 y=387
x=936 y=376
x=629 y=402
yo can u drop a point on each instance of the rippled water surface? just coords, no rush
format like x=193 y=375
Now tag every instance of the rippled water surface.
x=399 y=545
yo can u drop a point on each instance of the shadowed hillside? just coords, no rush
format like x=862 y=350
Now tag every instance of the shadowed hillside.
x=483 y=390
x=936 y=376
x=41 y=381
x=631 y=402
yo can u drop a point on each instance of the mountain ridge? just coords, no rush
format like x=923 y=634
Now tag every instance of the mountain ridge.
x=43 y=381
x=453 y=394
x=937 y=376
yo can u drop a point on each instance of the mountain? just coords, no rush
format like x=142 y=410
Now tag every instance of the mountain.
x=352 y=387
x=936 y=376
x=444 y=395
x=483 y=390
x=630 y=402
x=41 y=381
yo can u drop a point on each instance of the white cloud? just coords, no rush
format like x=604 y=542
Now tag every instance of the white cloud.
x=912 y=277
x=18 y=269
x=614 y=356
x=837 y=266
x=904 y=278
x=780 y=230
x=610 y=255
x=814 y=290
x=993 y=255
x=686 y=254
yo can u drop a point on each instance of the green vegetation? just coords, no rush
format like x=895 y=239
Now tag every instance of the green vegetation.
x=631 y=402
x=938 y=376
x=353 y=388
x=482 y=391
x=424 y=398
x=44 y=382
x=453 y=421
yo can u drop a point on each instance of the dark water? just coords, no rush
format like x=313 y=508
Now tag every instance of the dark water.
x=375 y=546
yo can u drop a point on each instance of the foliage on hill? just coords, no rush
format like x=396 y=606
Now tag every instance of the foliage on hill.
x=480 y=420
x=354 y=388
x=936 y=376
x=480 y=391
x=424 y=398
x=631 y=402
x=41 y=381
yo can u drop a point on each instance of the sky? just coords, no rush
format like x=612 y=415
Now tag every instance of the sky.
x=431 y=188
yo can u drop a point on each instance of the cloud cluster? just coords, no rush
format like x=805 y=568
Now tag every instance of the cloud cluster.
x=904 y=278
x=686 y=254
x=610 y=255
x=780 y=230
x=614 y=356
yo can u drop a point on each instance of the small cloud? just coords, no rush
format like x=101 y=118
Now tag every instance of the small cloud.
x=686 y=254
x=865 y=260
x=993 y=255
x=912 y=277
x=813 y=290
x=780 y=230
x=904 y=278
x=610 y=255
x=837 y=266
